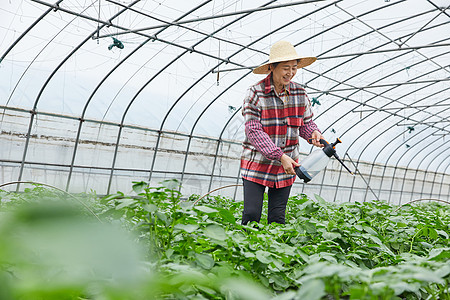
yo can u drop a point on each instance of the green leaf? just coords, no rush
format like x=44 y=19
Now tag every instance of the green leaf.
x=169 y=253
x=439 y=254
x=215 y=232
x=227 y=216
x=432 y=233
x=443 y=271
x=150 y=207
x=206 y=209
x=242 y=288
x=162 y=216
x=289 y=295
x=279 y=280
x=376 y=240
x=443 y=233
x=320 y=199
x=204 y=260
x=127 y=202
x=331 y=235
x=263 y=256
x=310 y=227
x=369 y=229
x=139 y=186
x=189 y=228
x=312 y=290
x=171 y=184
x=107 y=198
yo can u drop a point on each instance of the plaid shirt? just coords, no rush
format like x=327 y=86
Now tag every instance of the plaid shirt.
x=273 y=124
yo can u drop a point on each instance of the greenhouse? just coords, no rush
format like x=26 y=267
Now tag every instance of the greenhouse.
x=125 y=99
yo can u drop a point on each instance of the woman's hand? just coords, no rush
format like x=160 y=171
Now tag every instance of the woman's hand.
x=315 y=138
x=288 y=163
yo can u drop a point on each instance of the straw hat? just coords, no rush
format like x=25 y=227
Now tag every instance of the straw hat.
x=283 y=51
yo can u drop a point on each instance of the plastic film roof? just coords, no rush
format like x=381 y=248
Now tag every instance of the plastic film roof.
x=381 y=82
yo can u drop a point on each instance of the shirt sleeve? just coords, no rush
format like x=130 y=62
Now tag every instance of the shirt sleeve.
x=308 y=127
x=254 y=130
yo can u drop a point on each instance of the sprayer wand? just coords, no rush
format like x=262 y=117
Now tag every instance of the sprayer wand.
x=337 y=156
x=329 y=149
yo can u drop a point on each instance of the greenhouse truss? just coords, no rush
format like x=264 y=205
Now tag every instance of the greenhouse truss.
x=95 y=94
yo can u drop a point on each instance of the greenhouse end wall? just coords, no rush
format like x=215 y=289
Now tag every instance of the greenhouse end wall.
x=209 y=164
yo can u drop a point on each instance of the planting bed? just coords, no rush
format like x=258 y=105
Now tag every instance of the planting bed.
x=152 y=245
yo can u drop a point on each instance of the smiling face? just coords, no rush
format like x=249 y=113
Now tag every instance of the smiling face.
x=283 y=73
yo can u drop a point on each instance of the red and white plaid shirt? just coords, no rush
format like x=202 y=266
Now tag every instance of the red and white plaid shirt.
x=273 y=123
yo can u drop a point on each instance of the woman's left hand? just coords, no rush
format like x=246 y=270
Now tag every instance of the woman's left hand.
x=315 y=138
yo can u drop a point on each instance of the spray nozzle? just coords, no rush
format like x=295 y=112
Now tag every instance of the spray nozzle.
x=338 y=141
x=329 y=150
x=337 y=156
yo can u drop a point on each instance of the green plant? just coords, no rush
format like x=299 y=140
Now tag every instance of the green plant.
x=369 y=250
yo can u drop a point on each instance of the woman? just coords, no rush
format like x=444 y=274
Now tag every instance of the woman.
x=276 y=112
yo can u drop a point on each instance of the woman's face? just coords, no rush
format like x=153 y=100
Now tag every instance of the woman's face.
x=284 y=72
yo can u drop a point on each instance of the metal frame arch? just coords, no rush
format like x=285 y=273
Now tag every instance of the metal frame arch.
x=400 y=158
x=347 y=98
x=33 y=112
x=244 y=47
x=406 y=168
x=40 y=51
x=103 y=81
x=377 y=95
x=429 y=164
x=358 y=103
x=361 y=36
x=228 y=59
x=186 y=91
x=219 y=140
x=386 y=145
x=159 y=135
x=342 y=82
x=443 y=176
x=434 y=179
x=416 y=170
x=412 y=158
x=192 y=85
x=231 y=126
x=28 y=30
x=392 y=126
x=374 y=97
x=389 y=158
x=198 y=119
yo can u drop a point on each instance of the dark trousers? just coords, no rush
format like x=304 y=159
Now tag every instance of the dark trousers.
x=253 y=202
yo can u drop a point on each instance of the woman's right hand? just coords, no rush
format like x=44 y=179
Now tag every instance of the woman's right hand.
x=288 y=164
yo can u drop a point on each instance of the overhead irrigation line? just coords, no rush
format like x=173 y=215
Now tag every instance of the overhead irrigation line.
x=168 y=23
x=374 y=108
x=213 y=17
x=381 y=85
x=151 y=37
x=350 y=54
x=400 y=108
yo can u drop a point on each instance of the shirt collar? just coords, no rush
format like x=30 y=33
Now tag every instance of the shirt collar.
x=268 y=85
